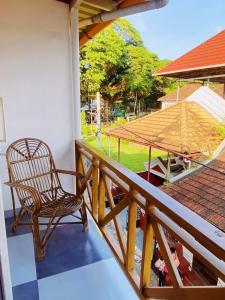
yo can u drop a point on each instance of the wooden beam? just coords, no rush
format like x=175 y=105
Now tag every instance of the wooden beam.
x=115 y=211
x=186 y=292
x=119 y=231
x=106 y=5
x=159 y=293
x=166 y=254
x=89 y=9
x=83 y=15
x=92 y=31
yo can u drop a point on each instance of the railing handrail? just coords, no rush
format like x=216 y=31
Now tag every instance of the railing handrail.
x=204 y=232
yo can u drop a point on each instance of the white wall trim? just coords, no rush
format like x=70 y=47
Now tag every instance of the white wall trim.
x=75 y=45
x=4 y=257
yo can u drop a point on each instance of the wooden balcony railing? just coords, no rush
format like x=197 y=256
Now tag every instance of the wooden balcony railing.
x=163 y=215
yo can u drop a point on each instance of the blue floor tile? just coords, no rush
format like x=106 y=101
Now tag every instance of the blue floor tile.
x=69 y=248
x=26 y=228
x=98 y=281
x=22 y=259
x=9 y=213
x=20 y=229
x=27 y=291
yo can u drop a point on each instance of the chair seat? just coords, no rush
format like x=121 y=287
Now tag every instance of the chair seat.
x=64 y=205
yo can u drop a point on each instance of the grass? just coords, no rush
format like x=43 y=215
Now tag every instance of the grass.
x=132 y=156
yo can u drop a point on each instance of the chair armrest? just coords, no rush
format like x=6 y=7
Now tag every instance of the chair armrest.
x=82 y=182
x=34 y=194
x=68 y=172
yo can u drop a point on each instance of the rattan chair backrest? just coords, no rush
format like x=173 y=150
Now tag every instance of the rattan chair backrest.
x=30 y=162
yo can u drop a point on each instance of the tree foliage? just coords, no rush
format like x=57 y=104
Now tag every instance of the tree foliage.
x=117 y=64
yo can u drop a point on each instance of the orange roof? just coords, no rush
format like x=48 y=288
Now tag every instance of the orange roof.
x=184 y=128
x=189 y=89
x=203 y=191
x=208 y=55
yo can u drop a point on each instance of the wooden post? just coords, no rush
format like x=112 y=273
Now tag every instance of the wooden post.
x=147 y=251
x=149 y=162
x=95 y=189
x=168 y=167
x=178 y=91
x=109 y=146
x=118 y=153
x=91 y=111
x=101 y=206
x=131 y=234
x=224 y=90
x=98 y=102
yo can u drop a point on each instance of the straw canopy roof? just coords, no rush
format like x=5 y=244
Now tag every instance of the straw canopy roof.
x=183 y=128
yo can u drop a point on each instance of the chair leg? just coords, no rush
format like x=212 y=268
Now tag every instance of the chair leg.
x=39 y=249
x=17 y=219
x=84 y=217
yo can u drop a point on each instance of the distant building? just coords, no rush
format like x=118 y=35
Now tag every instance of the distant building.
x=186 y=91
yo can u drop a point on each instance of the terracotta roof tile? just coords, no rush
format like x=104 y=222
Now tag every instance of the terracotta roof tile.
x=203 y=191
x=209 y=53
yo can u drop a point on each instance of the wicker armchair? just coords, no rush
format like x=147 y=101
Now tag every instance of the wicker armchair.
x=32 y=174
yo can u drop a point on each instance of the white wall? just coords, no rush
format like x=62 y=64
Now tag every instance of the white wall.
x=35 y=77
x=166 y=104
x=4 y=257
x=210 y=101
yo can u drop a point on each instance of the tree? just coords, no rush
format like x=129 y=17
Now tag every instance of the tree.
x=141 y=68
x=117 y=64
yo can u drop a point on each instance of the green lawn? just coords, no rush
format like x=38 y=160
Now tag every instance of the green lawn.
x=132 y=155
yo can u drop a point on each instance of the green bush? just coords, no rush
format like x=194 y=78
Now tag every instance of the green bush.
x=220 y=129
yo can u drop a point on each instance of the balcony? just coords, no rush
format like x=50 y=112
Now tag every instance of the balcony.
x=73 y=265
x=42 y=98
x=165 y=218
x=86 y=264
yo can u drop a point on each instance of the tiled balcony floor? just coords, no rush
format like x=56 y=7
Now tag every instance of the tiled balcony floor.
x=77 y=266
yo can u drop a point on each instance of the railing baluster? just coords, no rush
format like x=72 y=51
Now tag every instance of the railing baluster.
x=147 y=252
x=95 y=188
x=101 y=207
x=131 y=233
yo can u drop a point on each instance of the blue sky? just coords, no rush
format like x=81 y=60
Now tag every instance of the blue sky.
x=180 y=26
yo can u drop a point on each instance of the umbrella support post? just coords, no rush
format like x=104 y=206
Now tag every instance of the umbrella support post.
x=149 y=162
